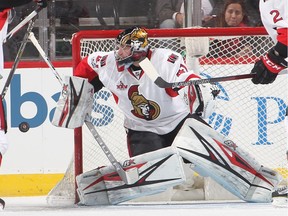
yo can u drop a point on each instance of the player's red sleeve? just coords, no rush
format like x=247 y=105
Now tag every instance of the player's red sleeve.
x=282 y=36
x=282 y=45
x=3 y=17
x=84 y=70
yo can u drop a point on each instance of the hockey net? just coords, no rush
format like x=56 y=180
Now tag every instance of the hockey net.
x=251 y=115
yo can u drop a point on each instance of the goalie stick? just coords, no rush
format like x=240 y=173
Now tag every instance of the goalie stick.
x=128 y=176
x=151 y=72
x=18 y=57
x=45 y=57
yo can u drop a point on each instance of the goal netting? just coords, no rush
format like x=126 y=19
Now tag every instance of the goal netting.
x=251 y=115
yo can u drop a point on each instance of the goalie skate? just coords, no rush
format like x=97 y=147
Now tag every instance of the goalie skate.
x=280 y=197
x=158 y=171
x=220 y=158
x=2 y=204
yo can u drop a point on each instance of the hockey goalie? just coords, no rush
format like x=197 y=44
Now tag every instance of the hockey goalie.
x=161 y=131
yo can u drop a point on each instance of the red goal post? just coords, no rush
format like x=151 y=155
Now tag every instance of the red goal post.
x=251 y=115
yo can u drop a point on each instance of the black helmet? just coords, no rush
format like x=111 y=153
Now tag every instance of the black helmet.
x=136 y=40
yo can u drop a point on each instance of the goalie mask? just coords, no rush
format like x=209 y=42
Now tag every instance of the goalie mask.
x=131 y=45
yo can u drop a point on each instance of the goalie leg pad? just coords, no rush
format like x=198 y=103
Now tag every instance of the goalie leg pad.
x=220 y=158
x=158 y=171
x=74 y=104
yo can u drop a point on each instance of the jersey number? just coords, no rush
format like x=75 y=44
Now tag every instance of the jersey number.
x=276 y=15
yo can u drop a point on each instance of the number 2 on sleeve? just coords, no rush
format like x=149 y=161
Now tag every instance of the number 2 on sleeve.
x=276 y=15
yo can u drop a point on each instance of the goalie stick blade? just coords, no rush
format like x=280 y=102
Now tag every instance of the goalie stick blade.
x=151 y=72
x=22 y=23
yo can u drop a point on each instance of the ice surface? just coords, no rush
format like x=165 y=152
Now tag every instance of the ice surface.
x=32 y=206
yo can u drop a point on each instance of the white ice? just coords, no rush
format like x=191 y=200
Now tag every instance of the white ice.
x=32 y=206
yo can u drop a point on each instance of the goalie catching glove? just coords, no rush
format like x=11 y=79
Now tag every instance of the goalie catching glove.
x=75 y=103
x=268 y=67
x=201 y=98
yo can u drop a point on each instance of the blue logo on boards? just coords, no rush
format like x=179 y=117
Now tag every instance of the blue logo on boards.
x=104 y=113
x=223 y=124
x=17 y=99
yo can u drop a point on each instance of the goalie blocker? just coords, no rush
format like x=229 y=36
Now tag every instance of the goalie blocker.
x=74 y=104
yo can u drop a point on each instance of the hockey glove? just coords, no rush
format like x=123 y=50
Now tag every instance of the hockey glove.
x=41 y=3
x=268 y=67
x=202 y=99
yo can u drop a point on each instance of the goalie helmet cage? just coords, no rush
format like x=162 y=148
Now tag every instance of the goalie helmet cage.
x=251 y=115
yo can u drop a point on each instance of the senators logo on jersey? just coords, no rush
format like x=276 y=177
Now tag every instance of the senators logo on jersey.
x=142 y=108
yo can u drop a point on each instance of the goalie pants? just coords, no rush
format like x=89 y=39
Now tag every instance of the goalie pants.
x=140 y=142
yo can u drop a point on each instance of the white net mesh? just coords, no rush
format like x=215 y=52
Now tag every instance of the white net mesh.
x=251 y=115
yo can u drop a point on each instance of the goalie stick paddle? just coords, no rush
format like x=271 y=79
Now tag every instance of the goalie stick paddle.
x=151 y=72
x=129 y=176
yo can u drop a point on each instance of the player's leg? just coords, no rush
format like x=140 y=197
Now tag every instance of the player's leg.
x=158 y=171
x=160 y=167
x=140 y=142
x=3 y=139
x=280 y=196
x=220 y=158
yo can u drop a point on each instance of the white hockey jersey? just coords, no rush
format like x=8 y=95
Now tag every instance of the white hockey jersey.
x=274 y=15
x=146 y=107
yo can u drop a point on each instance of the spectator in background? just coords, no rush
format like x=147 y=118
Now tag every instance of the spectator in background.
x=171 y=12
x=233 y=15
